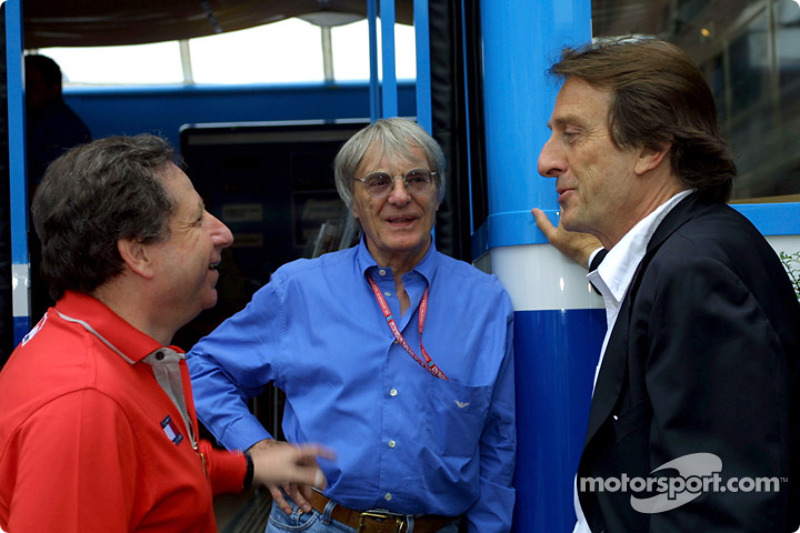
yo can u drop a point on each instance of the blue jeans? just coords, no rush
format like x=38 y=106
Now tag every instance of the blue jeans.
x=316 y=522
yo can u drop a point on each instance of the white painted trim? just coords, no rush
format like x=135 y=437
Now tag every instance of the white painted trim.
x=538 y=277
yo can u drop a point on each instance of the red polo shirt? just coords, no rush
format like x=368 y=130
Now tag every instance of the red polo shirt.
x=89 y=439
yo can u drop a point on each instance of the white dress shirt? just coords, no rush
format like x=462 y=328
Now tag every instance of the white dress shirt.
x=612 y=279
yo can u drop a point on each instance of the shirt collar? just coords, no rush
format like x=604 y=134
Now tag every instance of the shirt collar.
x=616 y=272
x=132 y=344
x=426 y=267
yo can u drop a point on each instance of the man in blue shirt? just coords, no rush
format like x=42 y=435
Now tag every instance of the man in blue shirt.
x=396 y=356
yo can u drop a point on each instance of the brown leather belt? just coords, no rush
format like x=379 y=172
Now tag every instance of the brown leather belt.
x=378 y=522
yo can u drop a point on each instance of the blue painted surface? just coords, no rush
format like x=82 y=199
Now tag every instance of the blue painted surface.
x=555 y=350
x=511 y=228
x=22 y=325
x=374 y=80
x=520 y=41
x=558 y=352
x=423 y=38
x=389 y=85
x=773 y=219
x=18 y=202
x=16 y=133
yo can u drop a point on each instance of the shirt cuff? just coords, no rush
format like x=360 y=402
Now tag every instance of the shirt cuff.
x=226 y=470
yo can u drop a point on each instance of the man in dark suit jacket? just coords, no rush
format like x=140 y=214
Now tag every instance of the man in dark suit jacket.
x=694 y=423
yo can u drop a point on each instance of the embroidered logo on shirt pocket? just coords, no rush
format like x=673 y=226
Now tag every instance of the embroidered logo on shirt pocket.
x=456 y=417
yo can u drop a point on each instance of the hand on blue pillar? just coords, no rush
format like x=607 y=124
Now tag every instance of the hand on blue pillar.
x=577 y=246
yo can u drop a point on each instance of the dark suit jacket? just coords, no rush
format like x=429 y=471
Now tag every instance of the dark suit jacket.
x=704 y=358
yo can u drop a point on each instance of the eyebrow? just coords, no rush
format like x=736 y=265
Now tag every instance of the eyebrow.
x=201 y=208
x=567 y=120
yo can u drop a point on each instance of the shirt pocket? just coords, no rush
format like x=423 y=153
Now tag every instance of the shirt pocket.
x=456 y=417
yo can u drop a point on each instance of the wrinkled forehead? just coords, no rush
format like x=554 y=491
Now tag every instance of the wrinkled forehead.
x=580 y=101
x=179 y=187
x=384 y=153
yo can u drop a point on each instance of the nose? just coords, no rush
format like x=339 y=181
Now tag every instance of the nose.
x=550 y=164
x=399 y=194
x=220 y=233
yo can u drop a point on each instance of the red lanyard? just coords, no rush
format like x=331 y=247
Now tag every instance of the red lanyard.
x=428 y=363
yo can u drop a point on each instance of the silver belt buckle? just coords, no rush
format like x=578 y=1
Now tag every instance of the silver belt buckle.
x=399 y=521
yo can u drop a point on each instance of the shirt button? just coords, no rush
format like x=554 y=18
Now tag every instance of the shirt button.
x=387 y=293
x=387 y=496
x=382 y=272
x=392 y=444
x=393 y=392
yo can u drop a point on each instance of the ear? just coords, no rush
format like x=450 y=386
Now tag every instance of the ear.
x=137 y=257
x=650 y=159
x=354 y=209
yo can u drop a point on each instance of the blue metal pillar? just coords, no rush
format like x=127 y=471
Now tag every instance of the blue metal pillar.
x=20 y=260
x=389 y=92
x=559 y=321
x=423 y=82
x=383 y=89
x=374 y=78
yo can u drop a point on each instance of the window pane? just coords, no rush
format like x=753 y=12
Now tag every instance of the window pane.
x=351 y=51
x=751 y=110
x=285 y=51
x=405 y=43
x=749 y=57
x=787 y=47
x=714 y=72
x=288 y=51
x=135 y=64
x=752 y=63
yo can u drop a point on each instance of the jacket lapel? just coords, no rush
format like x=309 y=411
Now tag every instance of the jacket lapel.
x=612 y=370
x=615 y=361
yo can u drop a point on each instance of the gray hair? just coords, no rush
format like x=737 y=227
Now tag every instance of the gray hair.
x=394 y=135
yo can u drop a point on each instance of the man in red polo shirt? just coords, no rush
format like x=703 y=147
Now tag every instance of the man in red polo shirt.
x=97 y=424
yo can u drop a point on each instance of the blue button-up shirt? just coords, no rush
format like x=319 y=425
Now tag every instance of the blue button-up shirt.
x=405 y=440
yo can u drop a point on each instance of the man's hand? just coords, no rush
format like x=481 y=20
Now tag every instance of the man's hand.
x=576 y=246
x=280 y=464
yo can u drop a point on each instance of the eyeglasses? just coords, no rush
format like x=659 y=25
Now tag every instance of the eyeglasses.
x=379 y=184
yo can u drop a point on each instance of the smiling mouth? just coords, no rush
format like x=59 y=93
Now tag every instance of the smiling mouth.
x=214 y=266
x=400 y=220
